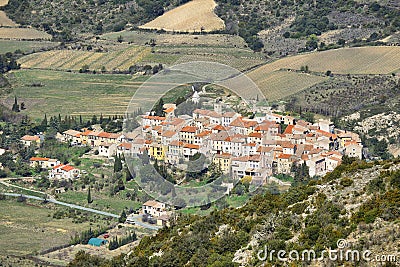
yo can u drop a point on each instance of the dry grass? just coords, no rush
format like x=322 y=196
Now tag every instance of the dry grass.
x=74 y=60
x=23 y=34
x=196 y=15
x=5 y=21
x=360 y=60
x=3 y=2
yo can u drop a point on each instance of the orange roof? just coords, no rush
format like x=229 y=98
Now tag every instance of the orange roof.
x=169 y=110
x=176 y=143
x=264 y=149
x=125 y=145
x=168 y=133
x=155 y=118
x=257 y=135
x=289 y=129
x=189 y=129
x=67 y=168
x=202 y=134
x=219 y=128
x=284 y=156
x=250 y=144
x=190 y=146
x=348 y=143
x=38 y=159
x=30 y=138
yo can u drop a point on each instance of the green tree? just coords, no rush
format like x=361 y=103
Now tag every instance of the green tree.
x=122 y=218
x=117 y=164
x=89 y=197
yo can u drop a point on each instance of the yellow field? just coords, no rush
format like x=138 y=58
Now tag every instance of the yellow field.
x=75 y=60
x=359 y=60
x=5 y=21
x=3 y=2
x=196 y=15
x=279 y=84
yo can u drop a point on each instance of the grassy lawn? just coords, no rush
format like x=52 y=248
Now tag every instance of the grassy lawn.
x=29 y=227
x=71 y=93
x=101 y=201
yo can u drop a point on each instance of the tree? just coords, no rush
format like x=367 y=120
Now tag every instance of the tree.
x=15 y=106
x=120 y=39
x=89 y=197
x=122 y=218
x=117 y=164
x=159 y=108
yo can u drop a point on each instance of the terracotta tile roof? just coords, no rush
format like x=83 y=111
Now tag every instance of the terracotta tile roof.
x=219 y=127
x=189 y=129
x=256 y=135
x=169 y=110
x=284 y=156
x=67 y=168
x=168 y=134
x=153 y=203
x=229 y=114
x=38 y=159
x=72 y=133
x=190 y=146
x=289 y=129
x=125 y=145
x=176 y=143
x=264 y=149
x=203 y=134
x=155 y=118
x=30 y=138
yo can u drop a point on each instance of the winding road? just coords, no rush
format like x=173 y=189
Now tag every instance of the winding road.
x=136 y=218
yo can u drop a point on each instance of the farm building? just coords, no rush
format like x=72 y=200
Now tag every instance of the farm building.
x=97 y=242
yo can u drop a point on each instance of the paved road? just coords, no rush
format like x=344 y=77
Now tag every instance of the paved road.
x=136 y=218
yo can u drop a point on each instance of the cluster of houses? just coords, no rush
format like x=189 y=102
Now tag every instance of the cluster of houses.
x=258 y=147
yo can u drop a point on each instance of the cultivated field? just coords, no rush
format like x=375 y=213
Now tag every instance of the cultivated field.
x=194 y=16
x=75 y=60
x=28 y=228
x=24 y=46
x=12 y=32
x=71 y=93
x=5 y=21
x=279 y=84
x=23 y=34
x=360 y=60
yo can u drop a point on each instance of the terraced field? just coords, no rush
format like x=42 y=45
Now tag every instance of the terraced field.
x=194 y=16
x=360 y=60
x=75 y=60
x=279 y=84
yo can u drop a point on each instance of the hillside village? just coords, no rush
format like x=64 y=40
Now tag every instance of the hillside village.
x=260 y=147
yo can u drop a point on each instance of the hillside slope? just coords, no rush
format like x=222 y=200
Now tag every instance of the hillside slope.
x=363 y=210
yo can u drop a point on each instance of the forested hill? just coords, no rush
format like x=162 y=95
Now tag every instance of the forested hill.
x=358 y=201
x=65 y=19
x=277 y=27
x=284 y=26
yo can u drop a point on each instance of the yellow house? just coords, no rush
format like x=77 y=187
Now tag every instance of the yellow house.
x=223 y=161
x=157 y=151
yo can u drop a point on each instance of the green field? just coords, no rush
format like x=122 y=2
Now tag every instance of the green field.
x=101 y=201
x=71 y=93
x=24 y=46
x=29 y=227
